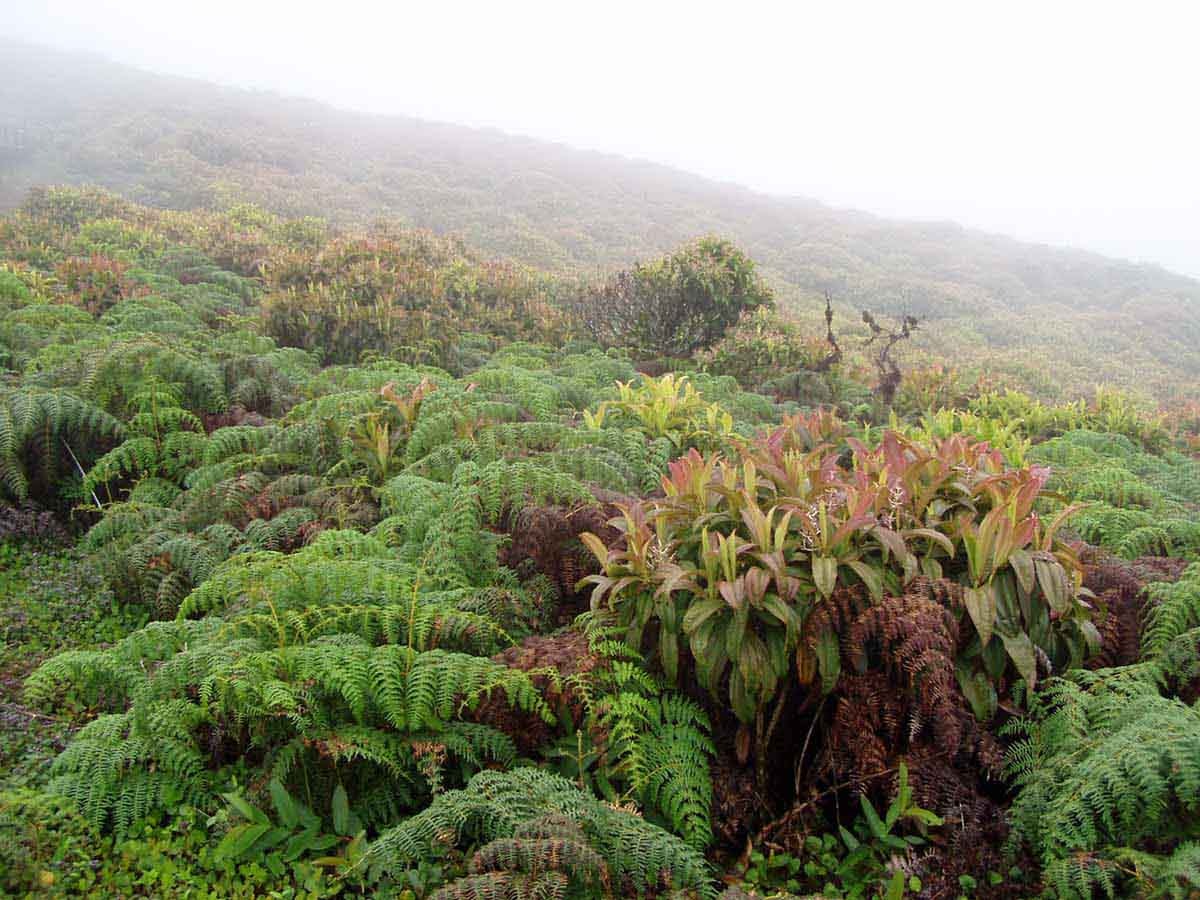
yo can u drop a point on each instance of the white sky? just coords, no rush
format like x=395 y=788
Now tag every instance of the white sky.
x=1060 y=121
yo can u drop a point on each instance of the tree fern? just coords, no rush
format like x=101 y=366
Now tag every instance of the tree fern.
x=503 y=486
x=1173 y=610
x=1109 y=763
x=307 y=691
x=46 y=434
x=120 y=767
x=1139 y=503
x=655 y=741
x=420 y=624
x=234 y=440
x=279 y=532
x=1108 y=769
x=497 y=806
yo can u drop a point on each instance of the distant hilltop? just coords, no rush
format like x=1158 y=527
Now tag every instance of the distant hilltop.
x=1062 y=317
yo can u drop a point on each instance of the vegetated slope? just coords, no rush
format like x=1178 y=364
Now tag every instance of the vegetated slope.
x=1053 y=320
x=316 y=633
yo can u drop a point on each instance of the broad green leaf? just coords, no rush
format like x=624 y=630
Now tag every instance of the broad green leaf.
x=1008 y=604
x=825 y=574
x=736 y=630
x=871 y=577
x=777 y=652
x=323 y=842
x=781 y=611
x=895 y=808
x=246 y=809
x=703 y=639
x=873 y=821
x=1053 y=581
x=699 y=611
x=849 y=839
x=904 y=794
x=979 y=691
x=891 y=540
x=936 y=536
x=739 y=697
x=300 y=844
x=272 y=838
x=981 y=605
x=925 y=816
x=341 y=811
x=1022 y=564
x=995 y=660
x=974 y=563
x=755 y=662
x=668 y=650
x=829 y=660
x=285 y=807
x=239 y=839
x=1021 y=652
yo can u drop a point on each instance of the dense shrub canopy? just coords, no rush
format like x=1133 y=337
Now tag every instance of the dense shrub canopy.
x=407 y=293
x=677 y=305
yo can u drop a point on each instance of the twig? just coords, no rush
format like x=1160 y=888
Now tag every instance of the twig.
x=804 y=749
x=29 y=713
x=778 y=711
x=798 y=809
x=82 y=474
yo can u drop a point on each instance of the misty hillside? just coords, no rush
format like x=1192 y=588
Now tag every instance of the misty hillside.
x=392 y=509
x=1055 y=320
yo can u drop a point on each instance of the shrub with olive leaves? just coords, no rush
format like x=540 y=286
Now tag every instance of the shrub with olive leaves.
x=718 y=577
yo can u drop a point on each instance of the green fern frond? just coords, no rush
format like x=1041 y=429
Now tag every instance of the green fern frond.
x=497 y=805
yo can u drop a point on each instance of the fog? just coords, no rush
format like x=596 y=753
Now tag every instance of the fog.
x=1068 y=123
